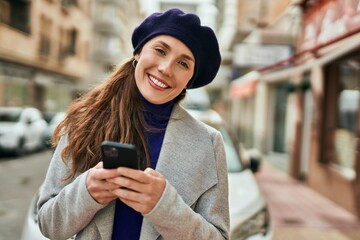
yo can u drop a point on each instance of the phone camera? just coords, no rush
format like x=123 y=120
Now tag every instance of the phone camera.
x=111 y=152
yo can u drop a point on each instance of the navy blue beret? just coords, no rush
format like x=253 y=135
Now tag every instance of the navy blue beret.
x=186 y=27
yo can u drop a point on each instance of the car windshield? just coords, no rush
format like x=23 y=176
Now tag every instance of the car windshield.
x=233 y=160
x=57 y=118
x=9 y=116
x=234 y=163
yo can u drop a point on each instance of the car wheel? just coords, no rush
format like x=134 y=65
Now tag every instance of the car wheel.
x=19 y=151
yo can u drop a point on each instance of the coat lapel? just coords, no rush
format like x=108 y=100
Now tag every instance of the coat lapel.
x=191 y=172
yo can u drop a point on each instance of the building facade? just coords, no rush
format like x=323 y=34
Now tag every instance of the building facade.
x=51 y=51
x=330 y=48
x=44 y=51
x=266 y=34
x=113 y=23
x=307 y=105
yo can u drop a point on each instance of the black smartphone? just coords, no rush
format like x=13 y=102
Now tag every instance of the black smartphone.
x=116 y=155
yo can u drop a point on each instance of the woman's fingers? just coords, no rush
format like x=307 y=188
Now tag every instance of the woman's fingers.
x=140 y=202
x=99 y=165
x=98 y=187
x=152 y=172
x=140 y=190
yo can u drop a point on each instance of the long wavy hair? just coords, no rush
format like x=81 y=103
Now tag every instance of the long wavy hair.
x=111 y=111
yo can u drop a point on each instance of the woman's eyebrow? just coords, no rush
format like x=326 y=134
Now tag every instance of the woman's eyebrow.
x=165 y=45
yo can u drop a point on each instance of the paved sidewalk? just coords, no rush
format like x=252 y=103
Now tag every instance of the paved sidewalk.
x=298 y=212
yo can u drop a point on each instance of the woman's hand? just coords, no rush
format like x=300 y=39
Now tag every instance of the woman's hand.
x=140 y=190
x=98 y=187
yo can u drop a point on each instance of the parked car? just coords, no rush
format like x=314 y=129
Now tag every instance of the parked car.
x=21 y=129
x=31 y=230
x=197 y=99
x=53 y=122
x=249 y=214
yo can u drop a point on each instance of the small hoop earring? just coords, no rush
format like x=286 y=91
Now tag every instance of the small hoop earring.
x=134 y=63
x=183 y=92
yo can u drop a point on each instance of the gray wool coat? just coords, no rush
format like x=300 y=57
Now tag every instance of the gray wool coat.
x=194 y=204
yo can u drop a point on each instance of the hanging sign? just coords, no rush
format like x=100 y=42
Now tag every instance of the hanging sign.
x=329 y=20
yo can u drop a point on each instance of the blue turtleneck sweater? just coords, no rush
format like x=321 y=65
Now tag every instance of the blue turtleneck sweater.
x=127 y=221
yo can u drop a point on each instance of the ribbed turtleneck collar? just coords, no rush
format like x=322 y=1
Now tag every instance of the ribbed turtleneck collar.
x=157 y=115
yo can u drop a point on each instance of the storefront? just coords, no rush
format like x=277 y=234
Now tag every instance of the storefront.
x=308 y=106
x=335 y=159
x=14 y=81
x=22 y=85
x=264 y=114
x=243 y=94
x=331 y=47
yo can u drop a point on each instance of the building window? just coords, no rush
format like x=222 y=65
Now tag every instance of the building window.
x=347 y=113
x=57 y=98
x=341 y=115
x=280 y=106
x=68 y=39
x=16 y=14
x=107 y=11
x=69 y=3
x=72 y=41
x=5 y=12
x=14 y=93
x=62 y=43
x=45 y=36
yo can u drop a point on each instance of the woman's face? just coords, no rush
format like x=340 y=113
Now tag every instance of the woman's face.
x=165 y=66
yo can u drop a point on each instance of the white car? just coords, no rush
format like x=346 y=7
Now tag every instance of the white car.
x=31 y=230
x=21 y=129
x=249 y=215
x=197 y=99
x=54 y=121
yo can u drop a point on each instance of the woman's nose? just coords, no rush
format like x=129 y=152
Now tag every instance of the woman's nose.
x=165 y=68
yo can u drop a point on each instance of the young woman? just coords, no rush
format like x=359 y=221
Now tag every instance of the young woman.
x=181 y=190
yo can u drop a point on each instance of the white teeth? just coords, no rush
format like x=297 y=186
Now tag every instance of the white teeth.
x=157 y=82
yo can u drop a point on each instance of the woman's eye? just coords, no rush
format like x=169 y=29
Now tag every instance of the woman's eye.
x=159 y=50
x=184 y=64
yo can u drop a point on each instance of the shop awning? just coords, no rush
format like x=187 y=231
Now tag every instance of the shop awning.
x=244 y=86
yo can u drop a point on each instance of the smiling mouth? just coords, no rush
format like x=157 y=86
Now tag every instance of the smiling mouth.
x=157 y=82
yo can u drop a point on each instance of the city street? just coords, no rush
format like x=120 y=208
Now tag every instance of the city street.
x=283 y=75
x=20 y=178
x=299 y=213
